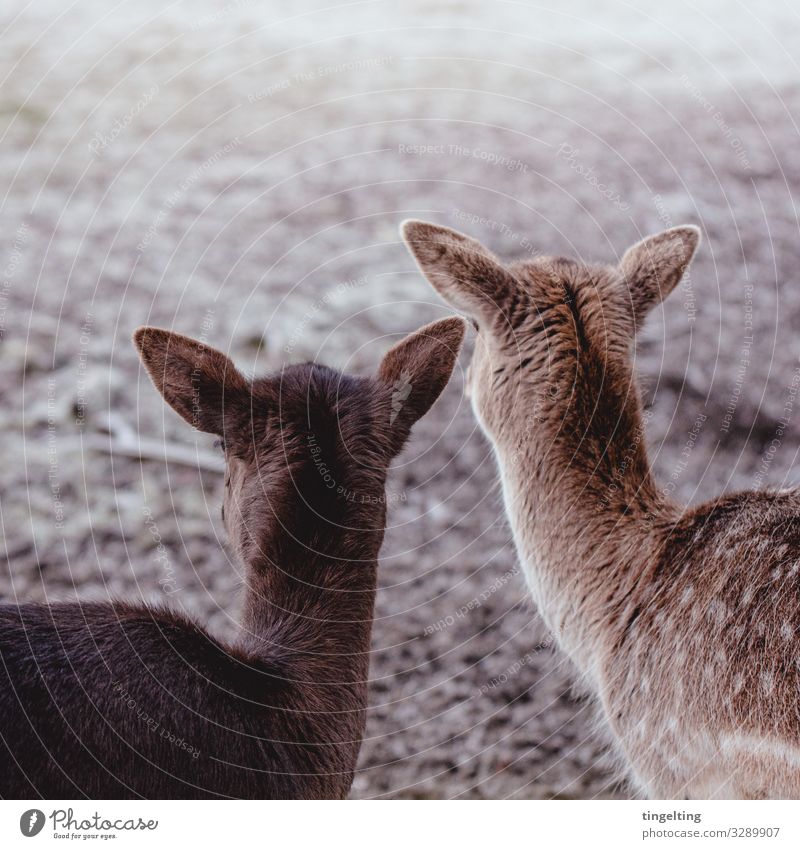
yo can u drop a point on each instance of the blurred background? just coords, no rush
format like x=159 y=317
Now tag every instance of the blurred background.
x=238 y=171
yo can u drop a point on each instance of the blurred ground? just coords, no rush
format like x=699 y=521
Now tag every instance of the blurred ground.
x=239 y=174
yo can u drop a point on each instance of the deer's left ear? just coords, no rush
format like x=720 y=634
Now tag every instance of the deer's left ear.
x=417 y=369
x=465 y=273
x=654 y=266
x=200 y=383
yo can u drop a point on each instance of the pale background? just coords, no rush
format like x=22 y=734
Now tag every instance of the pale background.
x=238 y=172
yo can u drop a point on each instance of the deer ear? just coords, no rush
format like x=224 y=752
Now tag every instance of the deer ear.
x=199 y=383
x=465 y=273
x=417 y=370
x=654 y=266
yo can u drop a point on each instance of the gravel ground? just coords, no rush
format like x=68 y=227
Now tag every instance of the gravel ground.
x=239 y=174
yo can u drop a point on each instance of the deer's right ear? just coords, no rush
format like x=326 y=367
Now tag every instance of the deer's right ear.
x=199 y=383
x=465 y=273
x=654 y=266
x=417 y=370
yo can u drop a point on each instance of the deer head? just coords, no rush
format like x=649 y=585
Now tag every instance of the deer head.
x=545 y=323
x=307 y=449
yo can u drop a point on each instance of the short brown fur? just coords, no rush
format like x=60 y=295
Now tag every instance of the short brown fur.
x=683 y=622
x=122 y=701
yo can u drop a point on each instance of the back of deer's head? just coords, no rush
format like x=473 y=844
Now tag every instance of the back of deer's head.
x=549 y=325
x=306 y=449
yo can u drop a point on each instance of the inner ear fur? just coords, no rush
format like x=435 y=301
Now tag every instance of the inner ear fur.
x=416 y=370
x=200 y=383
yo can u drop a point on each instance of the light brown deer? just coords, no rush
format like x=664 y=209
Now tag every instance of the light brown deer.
x=121 y=700
x=683 y=622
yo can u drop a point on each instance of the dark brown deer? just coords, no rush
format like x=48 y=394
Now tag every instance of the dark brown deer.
x=120 y=700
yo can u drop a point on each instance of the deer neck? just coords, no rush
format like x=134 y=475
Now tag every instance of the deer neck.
x=317 y=577
x=581 y=500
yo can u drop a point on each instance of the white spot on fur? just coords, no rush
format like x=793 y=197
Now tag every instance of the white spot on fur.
x=750 y=745
x=717 y=611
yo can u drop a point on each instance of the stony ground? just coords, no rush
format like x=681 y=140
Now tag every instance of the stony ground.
x=240 y=174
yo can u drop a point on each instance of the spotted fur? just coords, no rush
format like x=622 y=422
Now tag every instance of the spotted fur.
x=683 y=622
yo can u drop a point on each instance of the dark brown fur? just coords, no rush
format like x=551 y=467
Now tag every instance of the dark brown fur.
x=119 y=701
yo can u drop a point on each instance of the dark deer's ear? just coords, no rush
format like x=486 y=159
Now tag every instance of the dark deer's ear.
x=465 y=273
x=199 y=383
x=417 y=369
x=654 y=266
